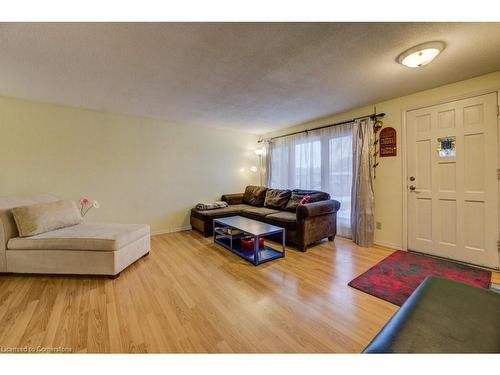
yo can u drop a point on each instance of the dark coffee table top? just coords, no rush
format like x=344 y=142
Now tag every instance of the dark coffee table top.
x=250 y=226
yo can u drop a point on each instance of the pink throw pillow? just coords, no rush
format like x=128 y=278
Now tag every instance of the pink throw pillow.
x=305 y=199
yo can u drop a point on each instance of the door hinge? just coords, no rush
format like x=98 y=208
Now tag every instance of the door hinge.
x=498 y=174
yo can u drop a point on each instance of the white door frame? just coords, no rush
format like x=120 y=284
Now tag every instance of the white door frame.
x=404 y=155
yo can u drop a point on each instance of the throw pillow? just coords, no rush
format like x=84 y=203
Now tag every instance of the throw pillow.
x=297 y=195
x=255 y=195
x=305 y=200
x=277 y=199
x=44 y=217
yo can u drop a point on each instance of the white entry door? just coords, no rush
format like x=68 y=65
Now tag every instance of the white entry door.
x=452 y=180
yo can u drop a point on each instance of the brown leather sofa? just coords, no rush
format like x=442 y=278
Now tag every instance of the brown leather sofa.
x=304 y=224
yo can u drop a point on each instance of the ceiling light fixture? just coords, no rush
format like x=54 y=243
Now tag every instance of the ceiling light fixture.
x=420 y=55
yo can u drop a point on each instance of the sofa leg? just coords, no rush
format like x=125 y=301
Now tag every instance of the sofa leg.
x=303 y=248
x=113 y=277
x=331 y=238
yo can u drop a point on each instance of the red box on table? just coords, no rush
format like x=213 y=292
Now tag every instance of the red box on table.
x=247 y=243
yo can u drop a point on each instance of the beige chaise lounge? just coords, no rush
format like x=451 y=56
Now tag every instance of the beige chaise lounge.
x=85 y=249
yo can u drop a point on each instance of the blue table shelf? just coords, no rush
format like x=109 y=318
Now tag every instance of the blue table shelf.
x=248 y=228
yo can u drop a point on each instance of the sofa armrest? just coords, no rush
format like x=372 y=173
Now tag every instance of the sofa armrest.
x=233 y=198
x=318 y=208
x=442 y=316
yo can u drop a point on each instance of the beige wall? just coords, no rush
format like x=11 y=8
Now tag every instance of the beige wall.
x=389 y=181
x=140 y=170
x=143 y=170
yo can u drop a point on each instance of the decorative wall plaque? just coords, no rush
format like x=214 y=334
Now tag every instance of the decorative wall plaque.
x=387 y=142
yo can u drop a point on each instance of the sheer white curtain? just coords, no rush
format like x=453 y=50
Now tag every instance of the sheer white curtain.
x=318 y=160
x=266 y=163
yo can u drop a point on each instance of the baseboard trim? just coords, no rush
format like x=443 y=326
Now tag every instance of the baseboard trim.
x=388 y=245
x=171 y=230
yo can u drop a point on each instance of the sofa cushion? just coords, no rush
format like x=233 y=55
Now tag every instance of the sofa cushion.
x=236 y=198
x=258 y=213
x=254 y=195
x=92 y=237
x=43 y=217
x=232 y=209
x=276 y=198
x=284 y=219
x=298 y=194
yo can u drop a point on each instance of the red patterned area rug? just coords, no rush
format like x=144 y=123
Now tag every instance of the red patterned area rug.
x=397 y=276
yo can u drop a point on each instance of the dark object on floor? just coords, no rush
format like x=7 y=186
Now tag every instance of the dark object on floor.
x=304 y=224
x=397 y=276
x=443 y=316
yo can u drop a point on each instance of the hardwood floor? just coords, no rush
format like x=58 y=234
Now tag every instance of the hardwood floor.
x=190 y=295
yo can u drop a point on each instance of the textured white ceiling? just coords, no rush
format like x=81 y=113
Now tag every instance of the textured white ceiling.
x=254 y=77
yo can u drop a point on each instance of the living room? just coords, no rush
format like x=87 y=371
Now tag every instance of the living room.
x=249 y=187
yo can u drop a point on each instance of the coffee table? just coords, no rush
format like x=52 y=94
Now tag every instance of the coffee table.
x=229 y=231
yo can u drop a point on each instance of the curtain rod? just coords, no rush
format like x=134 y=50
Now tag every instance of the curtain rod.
x=373 y=116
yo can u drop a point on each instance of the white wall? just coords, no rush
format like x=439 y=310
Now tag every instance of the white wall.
x=140 y=170
x=389 y=181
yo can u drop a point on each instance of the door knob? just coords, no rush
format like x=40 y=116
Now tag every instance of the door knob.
x=412 y=187
x=412 y=178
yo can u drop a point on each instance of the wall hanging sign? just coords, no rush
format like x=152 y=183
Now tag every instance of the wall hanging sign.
x=387 y=142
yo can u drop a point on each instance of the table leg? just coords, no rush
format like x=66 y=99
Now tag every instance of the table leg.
x=213 y=228
x=283 y=240
x=256 y=250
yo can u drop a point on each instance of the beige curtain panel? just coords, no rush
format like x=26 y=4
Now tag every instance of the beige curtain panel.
x=363 y=197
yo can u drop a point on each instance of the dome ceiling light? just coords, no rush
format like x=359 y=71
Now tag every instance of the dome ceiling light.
x=421 y=55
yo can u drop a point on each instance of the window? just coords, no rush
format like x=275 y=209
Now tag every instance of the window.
x=340 y=174
x=318 y=161
x=308 y=165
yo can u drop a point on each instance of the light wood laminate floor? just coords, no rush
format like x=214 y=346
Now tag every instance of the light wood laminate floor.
x=191 y=295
